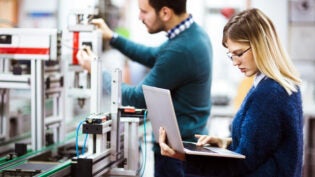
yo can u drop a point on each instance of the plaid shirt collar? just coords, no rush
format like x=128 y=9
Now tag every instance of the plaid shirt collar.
x=182 y=26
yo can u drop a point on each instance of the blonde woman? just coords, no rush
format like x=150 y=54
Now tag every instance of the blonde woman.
x=267 y=128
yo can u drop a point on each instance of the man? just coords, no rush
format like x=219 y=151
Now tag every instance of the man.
x=182 y=64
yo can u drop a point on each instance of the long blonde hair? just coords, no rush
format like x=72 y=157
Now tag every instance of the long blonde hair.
x=252 y=26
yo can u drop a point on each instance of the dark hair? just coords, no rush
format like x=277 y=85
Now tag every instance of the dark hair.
x=178 y=6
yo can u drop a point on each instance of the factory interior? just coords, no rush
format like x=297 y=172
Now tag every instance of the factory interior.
x=56 y=120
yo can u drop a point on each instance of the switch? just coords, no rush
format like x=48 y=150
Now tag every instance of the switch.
x=5 y=39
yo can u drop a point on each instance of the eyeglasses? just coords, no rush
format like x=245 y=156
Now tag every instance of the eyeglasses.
x=231 y=55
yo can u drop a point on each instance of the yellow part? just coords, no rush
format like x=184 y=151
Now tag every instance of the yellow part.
x=242 y=90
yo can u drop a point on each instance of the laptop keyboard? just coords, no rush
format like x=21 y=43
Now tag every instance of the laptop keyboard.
x=194 y=147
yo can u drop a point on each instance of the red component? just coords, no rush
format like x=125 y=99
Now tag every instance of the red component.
x=24 y=50
x=227 y=12
x=130 y=110
x=75 y=48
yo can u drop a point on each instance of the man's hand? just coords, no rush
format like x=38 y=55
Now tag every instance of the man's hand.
x=85 y=57
x=220 y=142
x=107 y=33
x=165 y=149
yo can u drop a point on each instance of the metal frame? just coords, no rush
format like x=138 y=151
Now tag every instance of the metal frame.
x=37 y=46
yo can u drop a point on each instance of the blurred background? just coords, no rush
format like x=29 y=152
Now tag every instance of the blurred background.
x=294 y=20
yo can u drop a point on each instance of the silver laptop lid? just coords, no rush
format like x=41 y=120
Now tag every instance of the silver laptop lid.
x=161 y=114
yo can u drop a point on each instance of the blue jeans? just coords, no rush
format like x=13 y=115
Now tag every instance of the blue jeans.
x=167 y=167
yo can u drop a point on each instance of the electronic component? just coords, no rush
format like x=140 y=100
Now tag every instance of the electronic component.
x=130 y=111
x=98 y=118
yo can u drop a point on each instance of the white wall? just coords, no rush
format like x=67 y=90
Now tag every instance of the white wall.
x=37 y=13
x=278 y=13
x=225 y=76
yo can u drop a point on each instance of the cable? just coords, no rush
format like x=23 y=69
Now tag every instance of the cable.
x=77 y=137
x=144 y=157
x=85 y=139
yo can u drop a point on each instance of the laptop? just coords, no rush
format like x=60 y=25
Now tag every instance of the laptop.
x=161 y=114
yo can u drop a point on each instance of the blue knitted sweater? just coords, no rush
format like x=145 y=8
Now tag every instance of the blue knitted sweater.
x=268 y=130
x=181 y=64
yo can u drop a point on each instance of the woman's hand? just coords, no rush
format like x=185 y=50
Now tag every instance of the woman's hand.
x=220 y=142
x=165 y=149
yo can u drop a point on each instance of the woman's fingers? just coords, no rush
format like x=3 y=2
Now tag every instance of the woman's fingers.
x=162 y=135
x=202 y=139
x=165 y=149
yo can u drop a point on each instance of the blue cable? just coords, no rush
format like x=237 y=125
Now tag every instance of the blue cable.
x=77 y=137
x=83 y=148
x=145 y=145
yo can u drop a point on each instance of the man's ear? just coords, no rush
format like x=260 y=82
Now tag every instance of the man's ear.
x=166 y=13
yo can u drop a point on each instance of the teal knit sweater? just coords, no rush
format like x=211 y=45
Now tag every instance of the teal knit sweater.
x=268 y=130
x=183 y=65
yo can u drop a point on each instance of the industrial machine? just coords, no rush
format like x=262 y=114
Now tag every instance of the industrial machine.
x=39 y=51
x=36 y=61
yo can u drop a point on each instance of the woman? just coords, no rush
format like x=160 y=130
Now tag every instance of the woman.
x=268 y=127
